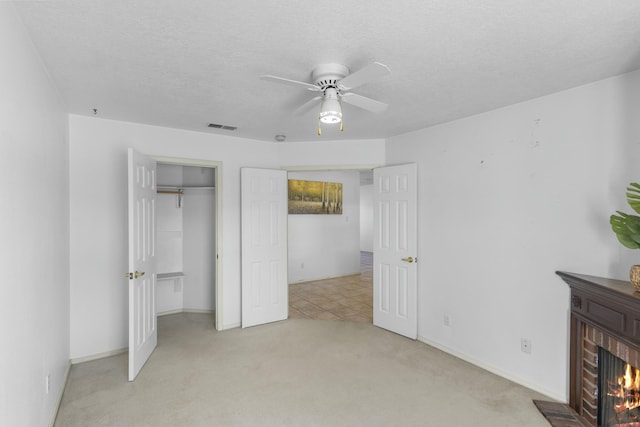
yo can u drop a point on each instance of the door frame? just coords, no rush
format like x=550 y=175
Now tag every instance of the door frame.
x=217 y=166
x=330 y=168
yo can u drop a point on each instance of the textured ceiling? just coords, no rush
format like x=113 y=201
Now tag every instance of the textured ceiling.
x=188 y=63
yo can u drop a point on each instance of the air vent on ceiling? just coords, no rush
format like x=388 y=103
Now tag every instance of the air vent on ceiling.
x=225 y=127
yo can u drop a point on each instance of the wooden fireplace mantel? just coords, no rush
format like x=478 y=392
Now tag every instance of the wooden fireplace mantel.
x=611 y=304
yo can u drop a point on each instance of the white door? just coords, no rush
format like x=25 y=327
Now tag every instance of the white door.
x=395 y=287
x=143 y=331
x=265 y=296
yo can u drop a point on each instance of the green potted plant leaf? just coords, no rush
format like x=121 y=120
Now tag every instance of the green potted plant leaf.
x=627 y=228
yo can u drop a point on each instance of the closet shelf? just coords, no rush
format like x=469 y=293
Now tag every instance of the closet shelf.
x=167 y=276
x=183 y=187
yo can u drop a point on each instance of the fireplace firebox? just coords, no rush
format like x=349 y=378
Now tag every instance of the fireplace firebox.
x=618 y=392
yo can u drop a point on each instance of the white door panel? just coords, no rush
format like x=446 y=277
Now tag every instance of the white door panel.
x=395 y=288
x=143 y=332
x=264 y=246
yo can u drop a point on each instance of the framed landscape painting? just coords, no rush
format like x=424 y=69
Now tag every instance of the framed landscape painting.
x=315 y=197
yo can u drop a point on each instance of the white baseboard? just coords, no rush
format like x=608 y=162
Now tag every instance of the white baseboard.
x=91 y=357
x=324 y=278
x=198 y=311
x=186 y=310
x=496 y=371
x=166 y=313
x=63 y=386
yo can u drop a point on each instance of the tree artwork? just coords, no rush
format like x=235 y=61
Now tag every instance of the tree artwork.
x=315 y=197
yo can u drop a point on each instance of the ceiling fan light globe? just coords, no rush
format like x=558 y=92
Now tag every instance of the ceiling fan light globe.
x=330 y=117
x=331 y=112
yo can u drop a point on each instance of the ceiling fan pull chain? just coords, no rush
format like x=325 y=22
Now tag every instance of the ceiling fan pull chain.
x=319 y=130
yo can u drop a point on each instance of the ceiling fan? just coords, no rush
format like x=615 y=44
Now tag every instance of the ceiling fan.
x=335 y=82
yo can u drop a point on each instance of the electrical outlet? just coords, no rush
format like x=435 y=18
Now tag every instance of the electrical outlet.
x=525 y=345
x=446 y=319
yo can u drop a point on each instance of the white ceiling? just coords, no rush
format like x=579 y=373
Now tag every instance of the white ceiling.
x=188 y=63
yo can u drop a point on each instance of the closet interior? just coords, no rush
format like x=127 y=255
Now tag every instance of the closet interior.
x=185 y=239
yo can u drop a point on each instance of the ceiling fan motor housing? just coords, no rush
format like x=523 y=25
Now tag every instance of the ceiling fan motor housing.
x=328 y=75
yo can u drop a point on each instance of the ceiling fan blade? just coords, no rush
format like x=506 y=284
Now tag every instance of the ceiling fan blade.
x=364 y=75
x=364 y=102
x=307 y=106
x=290 y=82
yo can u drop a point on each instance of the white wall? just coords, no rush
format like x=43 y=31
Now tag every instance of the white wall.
x=366 y=218
x=508 y=197
x=199 y=249
x=324 y=155
x=99 y=213
x=323 y=246
x=34 y=230
x=199 y=238
x=169 y=248
x=169 y=222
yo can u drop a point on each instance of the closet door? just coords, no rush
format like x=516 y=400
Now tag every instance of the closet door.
x=143 y=331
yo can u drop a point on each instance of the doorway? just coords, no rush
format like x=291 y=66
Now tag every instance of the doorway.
x=394 y=246
x=185 y=239
x=188 y=240
x=330 y=256
x=143 y=273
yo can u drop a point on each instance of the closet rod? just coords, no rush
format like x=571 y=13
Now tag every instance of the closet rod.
x=198 y=188
x=179 y=192
x=184 y=187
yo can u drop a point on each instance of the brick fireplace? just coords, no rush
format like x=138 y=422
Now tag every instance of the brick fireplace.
x=605 y=314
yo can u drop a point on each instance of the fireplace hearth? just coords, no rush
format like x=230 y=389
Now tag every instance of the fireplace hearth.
x=605 y=352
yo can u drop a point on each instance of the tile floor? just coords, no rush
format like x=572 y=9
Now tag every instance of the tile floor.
x=344 y=298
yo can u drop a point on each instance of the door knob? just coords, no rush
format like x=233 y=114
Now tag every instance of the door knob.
x=409 y=260
x=135 y=275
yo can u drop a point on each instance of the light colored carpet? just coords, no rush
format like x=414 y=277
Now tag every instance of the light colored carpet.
x=297 y=372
